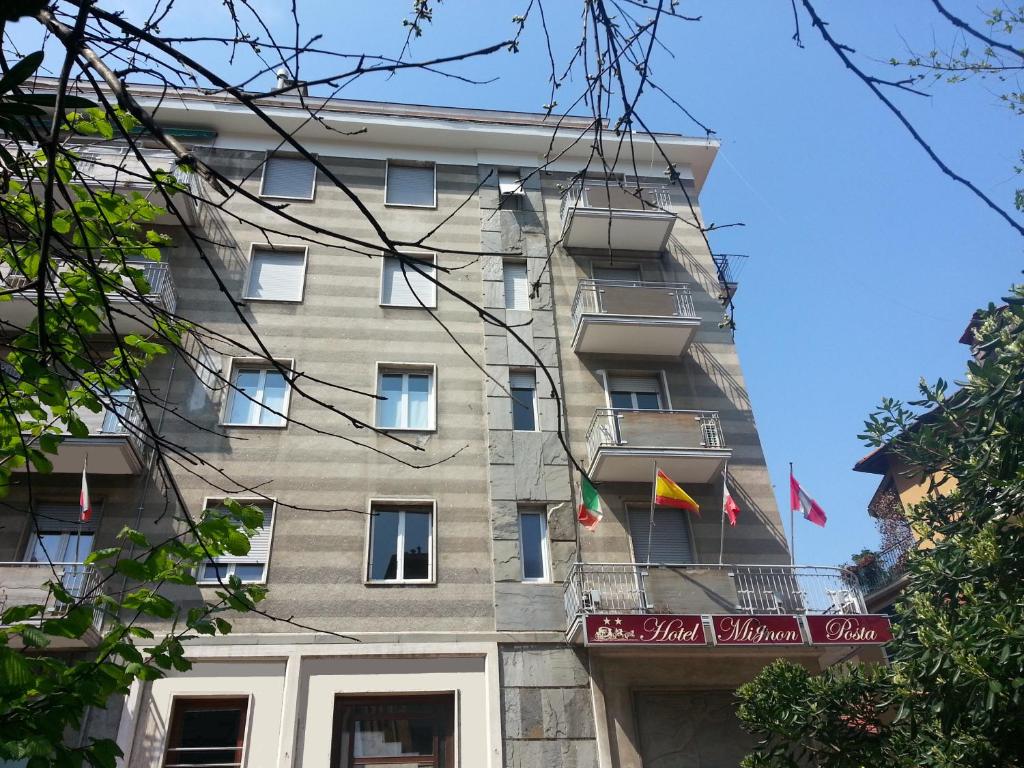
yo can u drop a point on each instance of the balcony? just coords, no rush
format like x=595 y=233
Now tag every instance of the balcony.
x=117 y=167
x=131 y=311
x=633 y=318
x=882 y=579
x=641 y=589
x=25 y=584
x=115 y=444
x=600 y=214
x=623 y=445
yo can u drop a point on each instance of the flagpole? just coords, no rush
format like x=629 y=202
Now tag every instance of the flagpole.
x=721 y=536
x=650 y=524
x=792 y=520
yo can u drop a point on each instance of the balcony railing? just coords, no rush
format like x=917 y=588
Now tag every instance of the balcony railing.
x=25 y=584
x=110 y=164
x=642 y=428
x=642 y=588
x=888 y=567
x=161 y=292
x=640 y=219
x=633 y=317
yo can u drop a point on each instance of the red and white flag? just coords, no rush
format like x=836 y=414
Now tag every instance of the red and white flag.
x=83 y=498
x=729 y=506
x=799 y=501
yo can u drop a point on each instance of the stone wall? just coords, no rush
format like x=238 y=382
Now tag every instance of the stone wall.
x=547 y=710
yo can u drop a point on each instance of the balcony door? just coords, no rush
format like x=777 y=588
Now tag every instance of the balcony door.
x=59 y=537
x=635 y=393
x=667 y=541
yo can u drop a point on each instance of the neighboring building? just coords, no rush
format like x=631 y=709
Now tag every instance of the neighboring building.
x=489 y=630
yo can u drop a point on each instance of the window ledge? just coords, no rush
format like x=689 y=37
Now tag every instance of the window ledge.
x=253 y=426
x=271 y=301
x=408 y=306
x=309 y=199
x=407 y=430
x=417 y=583
x=410 y=205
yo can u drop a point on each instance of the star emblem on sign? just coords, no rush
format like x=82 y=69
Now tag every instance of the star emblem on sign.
x=618 y=622
x=607 y=620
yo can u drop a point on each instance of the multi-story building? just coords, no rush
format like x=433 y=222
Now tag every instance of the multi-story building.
x=460 y=615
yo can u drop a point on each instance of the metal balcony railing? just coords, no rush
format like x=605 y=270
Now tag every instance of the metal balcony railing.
x=25 y=584
x=632 y=298
x=648 y=428
x=157 y=273
x=614 y=195
x=697 y=588
x=119 y=165
x=889 y=565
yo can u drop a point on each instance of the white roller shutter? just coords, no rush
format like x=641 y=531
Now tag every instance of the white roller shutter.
x=259 y=544
x=276 y=275
x=509 y=183
x=288 y=177
x=65 y=517
x=650 y=384
x=517 y=287
x=670 y=538
x=410 y=184
x=522 y=380
x=397 y=291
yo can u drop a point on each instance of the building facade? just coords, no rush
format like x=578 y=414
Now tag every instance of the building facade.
x=454 y=612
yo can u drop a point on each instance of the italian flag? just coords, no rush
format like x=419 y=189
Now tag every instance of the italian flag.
x=590 y=509
x=668 y=494
x=83 y=497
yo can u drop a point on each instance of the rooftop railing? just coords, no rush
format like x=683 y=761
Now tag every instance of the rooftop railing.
x=613 y=195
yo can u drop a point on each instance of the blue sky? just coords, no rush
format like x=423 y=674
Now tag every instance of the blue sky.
x=865 y=262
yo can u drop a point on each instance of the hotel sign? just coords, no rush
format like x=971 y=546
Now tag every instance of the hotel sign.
x=735 y=629
x=629 y=629
x=757 y=630
x=849 y=630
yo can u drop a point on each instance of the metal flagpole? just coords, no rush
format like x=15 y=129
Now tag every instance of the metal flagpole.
x=721 y=538
x=792 y=519
x=650 y=524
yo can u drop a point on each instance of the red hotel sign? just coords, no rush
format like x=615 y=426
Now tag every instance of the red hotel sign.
x=626 y=629
x=849 y=630
x=757 y=630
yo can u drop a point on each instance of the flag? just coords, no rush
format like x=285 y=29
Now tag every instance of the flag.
x=590 y=508
x=83 y=498
x=799 y=501
x=668 y=494
x=729 y=506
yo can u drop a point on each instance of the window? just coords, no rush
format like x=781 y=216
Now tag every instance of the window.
x=400 y=288
x=250 y=568
x=276 y=274
x=533 y=544
x=408 y=399
x=400 y=545
x=404 y=732
x=509 y=183
x=291 y=177
x=517 y=287
x=59 y=535
x=635 y=393
x=259 y=396
x=206 y=732
x=669 y=538
x=523 y=387
x=410 y=184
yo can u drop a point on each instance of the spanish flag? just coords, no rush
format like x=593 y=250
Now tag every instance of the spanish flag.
x=668 y=494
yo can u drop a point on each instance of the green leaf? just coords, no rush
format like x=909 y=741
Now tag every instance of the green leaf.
x=21 y=71
x=16 y=670
x=20 y=613
x=34 y=636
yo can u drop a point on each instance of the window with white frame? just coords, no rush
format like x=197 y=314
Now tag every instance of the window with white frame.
x=259 y=395
x=411 y=183
x=408 y=398
x=289 y=177
x=251 y=568
x=403 y=286
x=207 y=731
x=533 y=544
x=517 y=286
x=523 y=388
x=276 y=274
x=635 y=392
x=59 y=535
x=401 y=542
